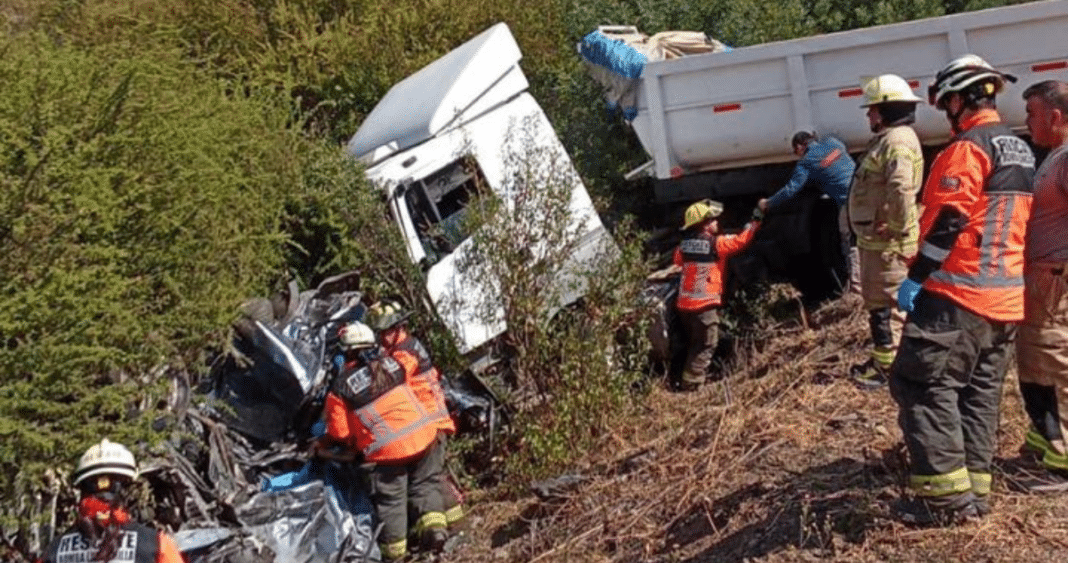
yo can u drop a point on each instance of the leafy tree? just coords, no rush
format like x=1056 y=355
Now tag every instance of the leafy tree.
x=140 y=203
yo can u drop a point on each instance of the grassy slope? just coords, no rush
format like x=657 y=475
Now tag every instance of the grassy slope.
x=785 y=461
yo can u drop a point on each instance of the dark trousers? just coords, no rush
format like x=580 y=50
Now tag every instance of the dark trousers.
x=416 y=482
x=947 y=380
x=702 y=331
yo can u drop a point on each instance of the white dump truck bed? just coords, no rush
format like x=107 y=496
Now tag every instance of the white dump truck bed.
x=740 y=108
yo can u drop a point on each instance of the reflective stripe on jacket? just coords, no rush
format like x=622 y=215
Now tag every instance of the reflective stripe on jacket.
x=138 y=544
x=391 y=428
x=395 y=427
x=825 y=162
x=986 y=174
x=885 y=186
x=703 y=258
x=425 y=380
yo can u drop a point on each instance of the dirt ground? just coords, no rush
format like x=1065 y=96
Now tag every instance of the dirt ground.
x=782 y=461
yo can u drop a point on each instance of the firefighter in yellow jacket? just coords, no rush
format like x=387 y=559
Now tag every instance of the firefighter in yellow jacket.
x=374 y=409
x=884 y=216
x=703 y=255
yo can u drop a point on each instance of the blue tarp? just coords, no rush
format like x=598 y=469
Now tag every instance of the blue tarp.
x=618 y=67
x=617 y=59
x=615 y=55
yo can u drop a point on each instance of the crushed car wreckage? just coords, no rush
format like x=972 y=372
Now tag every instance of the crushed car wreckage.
x=238 y=486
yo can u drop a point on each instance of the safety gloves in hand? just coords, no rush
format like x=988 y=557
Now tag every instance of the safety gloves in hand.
x=906 y=294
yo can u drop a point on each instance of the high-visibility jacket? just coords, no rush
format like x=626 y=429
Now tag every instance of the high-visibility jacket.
x=391 y=428
x=986 y=175
x=424 y=378
x=703 y=258
x=138 y=544
x=885 y=186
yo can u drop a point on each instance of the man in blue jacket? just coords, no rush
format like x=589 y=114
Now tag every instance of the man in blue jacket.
x=827 y=163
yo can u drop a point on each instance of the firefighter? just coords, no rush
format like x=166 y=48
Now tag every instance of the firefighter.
x=883 y=214
x=1042 y=345
x=826 y=162
x=104 y=531
x=702 y=255
x=964 y=295
x=375 y=410
x=390 y=319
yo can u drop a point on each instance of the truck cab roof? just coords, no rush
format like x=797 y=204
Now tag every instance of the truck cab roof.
x=469 y=80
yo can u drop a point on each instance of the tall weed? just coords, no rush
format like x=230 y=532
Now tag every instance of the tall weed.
x=572 y=364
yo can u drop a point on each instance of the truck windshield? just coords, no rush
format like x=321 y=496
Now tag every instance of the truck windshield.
x=437 y=205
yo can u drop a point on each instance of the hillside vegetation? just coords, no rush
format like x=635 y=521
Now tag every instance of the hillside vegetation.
x=160 y=162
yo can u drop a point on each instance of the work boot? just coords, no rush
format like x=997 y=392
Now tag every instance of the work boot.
x=1035 y=444
x=982 y=504
x=937 y=511
x=432 y=540
x=869 y=375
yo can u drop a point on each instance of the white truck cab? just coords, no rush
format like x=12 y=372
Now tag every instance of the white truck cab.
x=433 y=141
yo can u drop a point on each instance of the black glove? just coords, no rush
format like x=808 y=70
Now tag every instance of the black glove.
x=758 y=215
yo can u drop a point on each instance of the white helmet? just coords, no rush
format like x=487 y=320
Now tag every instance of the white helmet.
x=887 y=88
x=356 y=335
x=106 y=458
x=963 y=72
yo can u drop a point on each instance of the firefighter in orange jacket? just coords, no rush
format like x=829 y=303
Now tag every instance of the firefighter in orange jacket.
x=389 y=319
x=703 y=255
x=375 y=409
x=964 y=295
x=104 y=531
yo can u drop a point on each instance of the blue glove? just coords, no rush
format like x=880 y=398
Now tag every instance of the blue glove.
x=906 y=294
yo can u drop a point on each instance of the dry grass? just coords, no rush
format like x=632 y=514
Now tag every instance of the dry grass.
x=783 y=461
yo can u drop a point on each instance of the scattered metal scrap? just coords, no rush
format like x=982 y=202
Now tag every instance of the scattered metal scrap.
x=235 y=483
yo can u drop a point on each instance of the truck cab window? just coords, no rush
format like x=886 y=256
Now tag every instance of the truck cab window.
x=437 y=204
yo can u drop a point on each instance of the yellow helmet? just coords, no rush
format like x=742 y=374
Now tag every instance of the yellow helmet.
x=887 y=88
x=384 y=315
x=699 y=211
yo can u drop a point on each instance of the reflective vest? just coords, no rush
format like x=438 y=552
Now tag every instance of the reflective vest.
x=355 y=383
x=138 y=544
x=393 y=427
x=703 y=258
x=425 y=380
x=983 y=272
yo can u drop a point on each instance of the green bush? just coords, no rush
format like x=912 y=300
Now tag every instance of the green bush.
x=139 y=205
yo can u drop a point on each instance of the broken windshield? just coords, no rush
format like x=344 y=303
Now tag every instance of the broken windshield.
x=438 y=204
